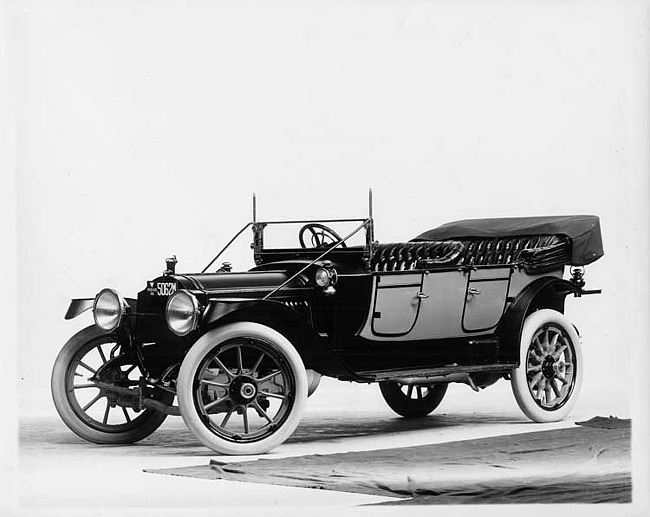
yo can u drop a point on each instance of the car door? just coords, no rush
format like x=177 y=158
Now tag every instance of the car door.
x=485 y=300
x=460 y=302
x=395 y=305
x=442 y=305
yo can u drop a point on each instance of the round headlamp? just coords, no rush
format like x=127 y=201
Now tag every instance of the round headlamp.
x=182 y=313
x=108 y=310
x=322 y=277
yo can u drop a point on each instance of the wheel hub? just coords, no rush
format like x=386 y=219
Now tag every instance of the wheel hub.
x=558 y=368
x=247 y=390
x=549 y=367
x=243 y=389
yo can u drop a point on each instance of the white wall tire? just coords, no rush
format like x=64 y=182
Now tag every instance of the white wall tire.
x=547 y=382
x=84 y=407
x=242 y=389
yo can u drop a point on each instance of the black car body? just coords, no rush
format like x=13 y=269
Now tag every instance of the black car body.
x=471 y=301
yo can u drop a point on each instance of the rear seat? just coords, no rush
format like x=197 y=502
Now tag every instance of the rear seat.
x=537 y=254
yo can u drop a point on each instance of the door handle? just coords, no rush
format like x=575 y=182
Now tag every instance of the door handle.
x=473 y=290
x=422 y=295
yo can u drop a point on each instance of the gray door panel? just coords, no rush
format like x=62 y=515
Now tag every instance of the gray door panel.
x=396 y=304
x=486 y=298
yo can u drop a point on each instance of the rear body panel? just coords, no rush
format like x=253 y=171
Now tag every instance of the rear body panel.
x=432 y=305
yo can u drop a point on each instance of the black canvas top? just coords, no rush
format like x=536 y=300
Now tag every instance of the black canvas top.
x=583 y=230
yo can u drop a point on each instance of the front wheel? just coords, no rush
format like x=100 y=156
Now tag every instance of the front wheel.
x=547 y=382
x=412 y=401
x=313 y=381
x=242 y=389
x=90 y=411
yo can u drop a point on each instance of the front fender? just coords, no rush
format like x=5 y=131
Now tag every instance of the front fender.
x=543 y=293
x=80 y=305
x=314 y=350
x=218 y=308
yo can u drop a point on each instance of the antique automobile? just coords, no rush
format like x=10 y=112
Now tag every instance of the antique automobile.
x=470 y=302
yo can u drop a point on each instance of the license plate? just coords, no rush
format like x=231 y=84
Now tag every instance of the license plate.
x=161 y=288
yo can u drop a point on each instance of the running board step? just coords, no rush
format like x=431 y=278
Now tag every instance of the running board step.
x=442 y=371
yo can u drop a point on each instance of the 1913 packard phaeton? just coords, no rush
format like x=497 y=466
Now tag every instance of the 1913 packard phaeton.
x=471 y=301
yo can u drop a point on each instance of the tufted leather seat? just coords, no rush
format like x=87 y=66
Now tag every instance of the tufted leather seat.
x=537 y=253
x=404 y=256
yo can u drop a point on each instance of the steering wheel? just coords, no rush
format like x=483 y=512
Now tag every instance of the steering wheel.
x=321 y=236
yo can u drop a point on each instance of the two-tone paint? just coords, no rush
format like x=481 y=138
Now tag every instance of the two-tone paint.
x=376 y=325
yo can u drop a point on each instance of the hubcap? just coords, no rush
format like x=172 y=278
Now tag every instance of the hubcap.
x=247 y=390
x=243 y=389
x=549 y=367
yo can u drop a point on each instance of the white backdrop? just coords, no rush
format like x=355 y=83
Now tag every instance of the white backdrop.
x=143 y=128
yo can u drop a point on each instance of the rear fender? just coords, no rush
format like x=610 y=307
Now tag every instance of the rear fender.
x=543 y=293
x=314 y=350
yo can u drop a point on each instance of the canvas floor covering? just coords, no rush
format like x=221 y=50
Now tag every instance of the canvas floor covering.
x=586 y=464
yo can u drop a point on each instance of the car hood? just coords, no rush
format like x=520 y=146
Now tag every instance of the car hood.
x=249 y=280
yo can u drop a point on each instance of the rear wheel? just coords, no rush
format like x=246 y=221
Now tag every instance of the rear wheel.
x=547 y=382
x=412 y=401
x=90 y=411
x=242 y=389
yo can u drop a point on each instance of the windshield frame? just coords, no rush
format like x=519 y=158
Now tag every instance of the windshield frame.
x=258 y=237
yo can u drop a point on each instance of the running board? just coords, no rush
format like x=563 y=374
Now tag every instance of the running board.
x=442 y=371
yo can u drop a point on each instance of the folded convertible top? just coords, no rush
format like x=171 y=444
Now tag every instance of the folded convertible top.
x=583 y=230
